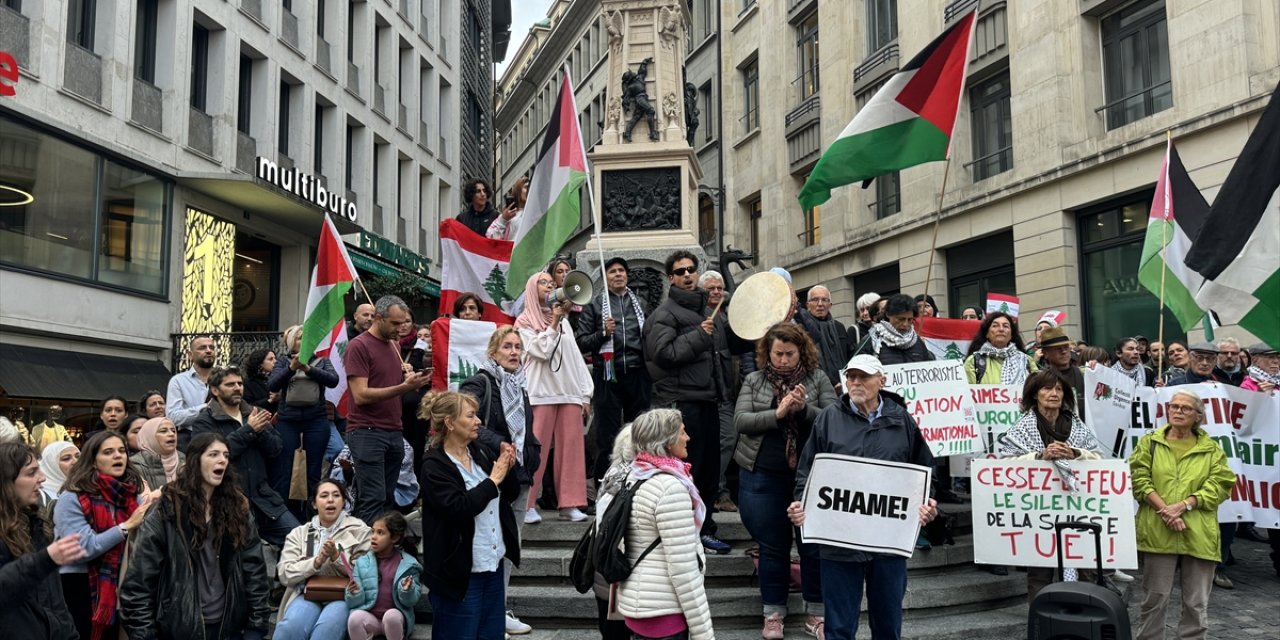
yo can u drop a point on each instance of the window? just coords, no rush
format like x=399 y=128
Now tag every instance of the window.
x=320 y=17
x=199 y=67
x=1115 y=304
x=706 y=219
x=475 y=33
x=885 y=281
x=807 y=54
x=888 y=195
x=708 y=116
x=475 y=117
x=377 y=175
x=287 y=4
x=812 y=233
x=144 y=53
x=751 y=96
x=351 y=32
x=88 y=217
x=755 y=210
x=283 y=121
x=244 y=102
x=16 y=5
x=709 y=10
x=81 y=22
x=978 y=268
x=882 y=24
x=348 y=176
x=1135 y=61
x=746 y=4
x=992 y=127
x=317 y=150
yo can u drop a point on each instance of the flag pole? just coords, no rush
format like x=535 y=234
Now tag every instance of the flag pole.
x=1164 y=266
x=591 y=194
x=937 y=221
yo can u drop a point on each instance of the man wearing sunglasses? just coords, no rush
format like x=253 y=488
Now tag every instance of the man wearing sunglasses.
x=679 y=347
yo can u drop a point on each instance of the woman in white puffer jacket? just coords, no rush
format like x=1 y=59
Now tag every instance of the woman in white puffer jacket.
x=664 y=595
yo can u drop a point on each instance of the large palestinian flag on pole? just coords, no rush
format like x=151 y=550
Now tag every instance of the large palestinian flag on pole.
x=906 y=123
x=472 y=263
x=324 y=328
x=554 y=208
x=1237 y=251
x=1177 y=213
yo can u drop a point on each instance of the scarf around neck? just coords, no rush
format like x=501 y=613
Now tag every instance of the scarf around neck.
x=884 y=335
x=783 y=381
x=1254 y=372
x=536 y=315
x=111 y=503
x=1013 y=369
x=151 y=444
x=1025 y=437
x=646 y=465
x=511 y=388
x=1136 y=374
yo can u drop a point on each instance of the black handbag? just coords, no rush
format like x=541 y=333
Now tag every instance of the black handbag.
x=582 y=567
x=302 y=391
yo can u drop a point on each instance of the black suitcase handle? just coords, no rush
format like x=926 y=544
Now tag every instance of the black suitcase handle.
x=1096 y=529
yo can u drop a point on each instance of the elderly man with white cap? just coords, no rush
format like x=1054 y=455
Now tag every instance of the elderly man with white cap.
x=871 y=423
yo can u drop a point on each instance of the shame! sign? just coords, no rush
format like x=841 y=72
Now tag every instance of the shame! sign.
x=864 y=504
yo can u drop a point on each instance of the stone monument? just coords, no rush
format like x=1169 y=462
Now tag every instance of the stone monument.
x=645 y=172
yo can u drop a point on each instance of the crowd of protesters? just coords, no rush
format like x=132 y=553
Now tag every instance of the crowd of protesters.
x=193 y=517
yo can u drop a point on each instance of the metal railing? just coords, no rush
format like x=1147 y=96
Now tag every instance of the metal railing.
x=233 y=347
x=983 y=167
x=956 y=8
x=812 y=103
x=882 y=55
x=1114 y=120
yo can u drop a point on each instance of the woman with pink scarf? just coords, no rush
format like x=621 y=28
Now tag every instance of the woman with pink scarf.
x=560 y=388
x=158 y=461
x=664 y=596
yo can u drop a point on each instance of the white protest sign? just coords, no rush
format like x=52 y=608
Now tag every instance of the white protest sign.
x=864 y=504
x=1017 y=502
x=1109 y=405
x=938 y=397
x=997 y=408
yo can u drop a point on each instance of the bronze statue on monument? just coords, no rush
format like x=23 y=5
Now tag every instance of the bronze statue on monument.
x=635 y=100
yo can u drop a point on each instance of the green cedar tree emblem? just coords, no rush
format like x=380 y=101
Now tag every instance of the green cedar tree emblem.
x=496 y=285
x=465 y=370
x=953 y=352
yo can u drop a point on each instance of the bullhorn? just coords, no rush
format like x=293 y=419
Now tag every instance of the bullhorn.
x=577 y=289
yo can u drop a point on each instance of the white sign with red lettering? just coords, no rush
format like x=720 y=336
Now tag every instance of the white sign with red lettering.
x=938 y=397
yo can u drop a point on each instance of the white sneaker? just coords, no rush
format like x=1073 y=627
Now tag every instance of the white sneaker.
x=572 y=515
x=1120 y=576
x=515 y=627
x=531 y=516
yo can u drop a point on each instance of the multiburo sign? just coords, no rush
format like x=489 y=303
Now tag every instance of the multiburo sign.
x=307 y=187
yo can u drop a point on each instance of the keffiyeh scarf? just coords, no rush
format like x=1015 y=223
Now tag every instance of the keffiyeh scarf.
x=511 y=387
x=884 y=335
x=111 y=503
x=1015 y=362
x=646 y=465
x=1136 y=374
x=606 y=311
x=1262 y=376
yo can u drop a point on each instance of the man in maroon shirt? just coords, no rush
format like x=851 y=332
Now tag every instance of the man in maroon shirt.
x=377 y=379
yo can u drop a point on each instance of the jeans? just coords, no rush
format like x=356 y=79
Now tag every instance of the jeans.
x=479 y=614
x=1227 y=531
x=762 y=501
x=702 y=423
x=306 y=620
x=313 y=434
x=885 y=578
x=617 y=402
x=274 y=530
x=377 y=455
x=335 y=445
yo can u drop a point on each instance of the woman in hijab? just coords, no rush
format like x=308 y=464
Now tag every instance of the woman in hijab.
x=560 y=388
x=55 y=462
x=158 y=462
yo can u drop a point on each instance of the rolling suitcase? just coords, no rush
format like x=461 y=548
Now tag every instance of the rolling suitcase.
x=1078 y=610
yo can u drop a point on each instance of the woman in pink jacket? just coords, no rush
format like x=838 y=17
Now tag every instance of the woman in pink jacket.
x=560 y=388
x=1264 y=373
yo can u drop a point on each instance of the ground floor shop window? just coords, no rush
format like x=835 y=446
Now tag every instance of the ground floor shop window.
x=884 y=281
x=977 y=268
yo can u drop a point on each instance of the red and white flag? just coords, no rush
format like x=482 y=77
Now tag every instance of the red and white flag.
x=458 y=350
x=471 y=263
x=947 y=338
x=1002 y=303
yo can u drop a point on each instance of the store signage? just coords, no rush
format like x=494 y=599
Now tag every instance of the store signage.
x=391 y=252
x=307 y=187
x=8 y=74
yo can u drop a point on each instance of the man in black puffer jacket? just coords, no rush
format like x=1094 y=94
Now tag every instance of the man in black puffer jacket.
x=679 y=349
x=893 y=338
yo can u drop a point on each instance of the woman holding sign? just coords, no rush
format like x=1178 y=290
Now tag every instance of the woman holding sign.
x=774 y=416
x=1180 y=476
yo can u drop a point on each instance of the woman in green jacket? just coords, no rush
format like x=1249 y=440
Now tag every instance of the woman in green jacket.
x=1180 y=476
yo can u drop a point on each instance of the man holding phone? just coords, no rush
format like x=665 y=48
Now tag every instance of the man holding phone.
x=252 y=440
x=376 y=378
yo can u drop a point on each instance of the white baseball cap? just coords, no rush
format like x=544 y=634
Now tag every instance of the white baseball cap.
x=864 y=363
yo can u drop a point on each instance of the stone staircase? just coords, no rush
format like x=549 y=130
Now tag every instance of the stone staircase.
x=948 y=598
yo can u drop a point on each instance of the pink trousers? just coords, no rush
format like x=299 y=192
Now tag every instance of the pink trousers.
x=559 y=426
x=362 y=625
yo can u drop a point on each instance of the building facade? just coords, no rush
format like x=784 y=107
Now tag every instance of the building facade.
x=1053 y=163
x=170 y=162
x=486 y=30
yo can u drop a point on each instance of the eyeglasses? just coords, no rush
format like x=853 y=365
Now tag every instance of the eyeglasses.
x=819 y=299
x=684 y=271
x=1229 y=354
x=1182 y=408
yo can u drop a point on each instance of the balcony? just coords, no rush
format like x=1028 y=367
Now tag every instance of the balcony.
x=424 y=135
x=402 y=119
x=991 y=164
x=353 y=80
x=404 y=9
x=289 y=30
x=380 y=100
x=82 y=73
x=875 y=68
x=377 y=220
x=200 y=131
x=322 y=57
x=401 y=230
x=148 y=105
x=956 y=9
x=15 y=32
x=246 y=152
x=253 y=9
x=804 y=134
x=234 y=346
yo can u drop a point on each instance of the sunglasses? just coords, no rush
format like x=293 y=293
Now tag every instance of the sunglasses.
x=684 y=271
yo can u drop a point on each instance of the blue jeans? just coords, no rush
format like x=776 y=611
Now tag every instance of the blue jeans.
x=306 y=620
x=479 y=615
x=886 y=584
x=336 y=443
x=377 y=455
x=313 y=434
x=762 y=502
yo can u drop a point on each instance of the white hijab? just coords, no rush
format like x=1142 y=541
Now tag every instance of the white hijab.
x=53 y=475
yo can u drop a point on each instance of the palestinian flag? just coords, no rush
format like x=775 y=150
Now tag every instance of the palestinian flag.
x=1238 y=249
x=458 y=350
x=554 y=208
x=472 y=263
x=906 y=123
x=324 y=328
x=1177 y=213
x=1002 y=303
x=947 y=338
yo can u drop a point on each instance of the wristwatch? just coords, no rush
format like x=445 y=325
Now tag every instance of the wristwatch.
x=124 y=529
x=1190 y=506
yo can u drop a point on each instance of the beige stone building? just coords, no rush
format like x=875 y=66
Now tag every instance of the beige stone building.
x=1054 y=158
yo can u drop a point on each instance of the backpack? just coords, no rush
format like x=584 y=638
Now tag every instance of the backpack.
x=602 y=549
x=979 y=366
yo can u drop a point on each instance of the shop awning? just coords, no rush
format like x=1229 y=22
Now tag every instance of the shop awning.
x=262 y=199
x=376 y=267
x=30 y=372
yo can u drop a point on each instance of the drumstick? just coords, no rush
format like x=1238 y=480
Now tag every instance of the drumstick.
x=717 y=309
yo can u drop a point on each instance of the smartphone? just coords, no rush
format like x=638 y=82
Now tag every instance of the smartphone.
x=508 y=200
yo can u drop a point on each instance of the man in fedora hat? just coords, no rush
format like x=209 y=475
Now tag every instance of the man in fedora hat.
x=1055 y=346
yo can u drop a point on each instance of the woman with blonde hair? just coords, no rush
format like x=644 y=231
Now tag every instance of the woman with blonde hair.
x=560 y=389
x=301 y=419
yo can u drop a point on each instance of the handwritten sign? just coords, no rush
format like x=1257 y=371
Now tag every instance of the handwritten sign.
x=1016 y=503
x=938 y=397
x=864 y=504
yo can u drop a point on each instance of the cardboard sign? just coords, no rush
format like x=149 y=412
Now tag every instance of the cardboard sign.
x=938 y=397
x=864 y=504
x=997 y=407
x=1016 y=503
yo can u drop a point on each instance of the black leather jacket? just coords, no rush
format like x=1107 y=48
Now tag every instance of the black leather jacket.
x=34 y=606
x=249 y=454
x=159 y=598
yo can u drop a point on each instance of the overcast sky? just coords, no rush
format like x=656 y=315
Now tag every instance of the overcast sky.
x=523 y=14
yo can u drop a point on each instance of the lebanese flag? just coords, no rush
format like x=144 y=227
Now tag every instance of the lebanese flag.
x=554 y=208
x=472 y=263
x=947 y=338
x=907 y=122
x=458 y=350
x=324 y=329
x=1002 y=303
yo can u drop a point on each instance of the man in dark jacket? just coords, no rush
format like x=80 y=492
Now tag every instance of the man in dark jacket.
x=829 y=335
x=622 y=387
x=478 y=212
x=1203 y=358
x=871 y=423
x=679 y=349
x=252 y=441
x=893 y=339
x=1229 y=370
